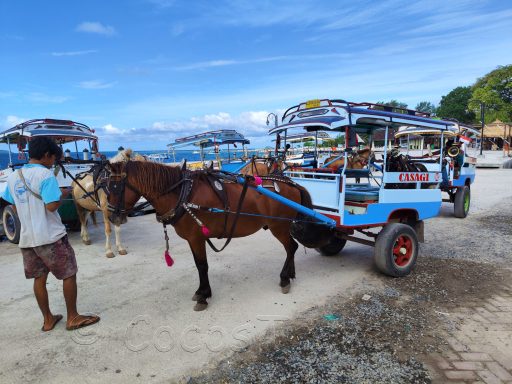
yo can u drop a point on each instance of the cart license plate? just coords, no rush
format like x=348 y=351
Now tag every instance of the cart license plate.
x=312 y=103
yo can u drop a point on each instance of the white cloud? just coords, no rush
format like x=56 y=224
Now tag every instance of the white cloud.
x=177 y=29
x=73 y=53
x=39 y=97
x=95 y=84
x=162 y=3
x=11 y=120
x=96 y=27
x=161 y=133
x=111 y=130
x=223 y=63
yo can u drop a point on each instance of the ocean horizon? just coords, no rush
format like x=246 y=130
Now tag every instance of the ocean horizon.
x=179 y=155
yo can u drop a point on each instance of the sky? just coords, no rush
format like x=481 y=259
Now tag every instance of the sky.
x=144 y=72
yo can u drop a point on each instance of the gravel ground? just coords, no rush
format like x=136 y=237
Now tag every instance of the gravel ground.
x=380 y=336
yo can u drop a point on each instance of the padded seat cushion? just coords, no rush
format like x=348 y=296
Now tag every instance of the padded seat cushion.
x=362 y=193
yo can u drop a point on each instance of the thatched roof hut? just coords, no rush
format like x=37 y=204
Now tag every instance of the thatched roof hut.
x=498 y=135
x=498 y=129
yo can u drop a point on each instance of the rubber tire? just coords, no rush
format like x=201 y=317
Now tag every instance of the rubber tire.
x=333 y=247
x=458 y=205
x=384 y=259
x=7 y=213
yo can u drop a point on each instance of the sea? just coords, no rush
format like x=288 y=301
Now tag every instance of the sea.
x=190 y=155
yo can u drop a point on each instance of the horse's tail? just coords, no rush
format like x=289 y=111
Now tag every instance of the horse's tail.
x=306 y=231
x=305 y=197
x=93 y=216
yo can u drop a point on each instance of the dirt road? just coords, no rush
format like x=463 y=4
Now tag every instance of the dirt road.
x=149 y=332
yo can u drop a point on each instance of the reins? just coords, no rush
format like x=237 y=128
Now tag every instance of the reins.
x=183 y=206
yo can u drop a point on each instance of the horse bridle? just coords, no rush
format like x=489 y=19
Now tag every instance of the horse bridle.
x=119 y=185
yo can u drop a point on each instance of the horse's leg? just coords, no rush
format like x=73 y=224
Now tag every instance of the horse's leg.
x=290 y=245
x=83 y=215
x=108 y=231
x=204 y=291
x=119 y=246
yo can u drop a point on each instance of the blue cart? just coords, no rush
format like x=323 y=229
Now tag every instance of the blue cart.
x=385 y=204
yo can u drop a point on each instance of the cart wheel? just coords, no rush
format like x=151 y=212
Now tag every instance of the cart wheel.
x=11 y=223
x=462 y=202
x=333 y=247
x=396 y=250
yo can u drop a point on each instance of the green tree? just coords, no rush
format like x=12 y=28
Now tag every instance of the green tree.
x=455 y=105
x=393 y=103
x=495 y=90
x=426 y=106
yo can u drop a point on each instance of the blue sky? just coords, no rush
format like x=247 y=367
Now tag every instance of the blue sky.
x=143 y=72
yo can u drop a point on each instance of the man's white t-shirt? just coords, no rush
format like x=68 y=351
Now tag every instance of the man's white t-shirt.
x=39 y=226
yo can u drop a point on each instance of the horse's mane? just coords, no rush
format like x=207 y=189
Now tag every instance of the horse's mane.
x=150 y=177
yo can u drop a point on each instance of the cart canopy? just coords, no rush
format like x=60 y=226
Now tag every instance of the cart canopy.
x=62 y=131
x=210 y=139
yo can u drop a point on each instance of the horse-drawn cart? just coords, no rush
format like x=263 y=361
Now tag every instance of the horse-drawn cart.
x=396 y=200
x=459 y=162
x=213 y=140
x=68 y=135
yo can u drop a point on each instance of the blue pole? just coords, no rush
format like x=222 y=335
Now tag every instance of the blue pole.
x=292 y=204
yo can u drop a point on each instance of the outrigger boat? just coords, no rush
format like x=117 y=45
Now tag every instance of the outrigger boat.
x=394 y=200
x=77 y=140
x=215 y=140
x=459 y=164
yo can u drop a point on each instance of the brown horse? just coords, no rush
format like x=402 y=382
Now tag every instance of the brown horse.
x=263 y=167
x=357 y=160
x=182 y=198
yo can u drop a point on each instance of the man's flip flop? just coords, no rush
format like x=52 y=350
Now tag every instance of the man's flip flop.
x=57 y=318
x=86 y=321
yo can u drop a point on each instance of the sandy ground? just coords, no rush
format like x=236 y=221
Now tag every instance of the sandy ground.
x=149 y=332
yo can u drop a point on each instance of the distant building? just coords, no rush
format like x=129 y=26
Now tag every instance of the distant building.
x=497 y=136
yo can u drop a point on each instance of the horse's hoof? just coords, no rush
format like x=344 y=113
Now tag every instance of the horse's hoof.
x=196 y=297
x=123 y=252
x=87 y=242
x=110 y=255
x=200 y=307
x=286 y=289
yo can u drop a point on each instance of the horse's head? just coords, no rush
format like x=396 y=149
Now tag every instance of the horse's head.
x=122 y=195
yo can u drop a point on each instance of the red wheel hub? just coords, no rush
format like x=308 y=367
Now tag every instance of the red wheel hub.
x=402 y=250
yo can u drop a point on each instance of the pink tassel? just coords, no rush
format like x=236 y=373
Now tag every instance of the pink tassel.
x=168 y=259
x=257 y=180
x=205 y=230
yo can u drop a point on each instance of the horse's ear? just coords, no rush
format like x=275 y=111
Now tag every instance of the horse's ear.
x=183 y=165
x=210 y=166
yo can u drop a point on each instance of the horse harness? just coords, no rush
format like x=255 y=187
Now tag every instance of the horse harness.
x=216 y=180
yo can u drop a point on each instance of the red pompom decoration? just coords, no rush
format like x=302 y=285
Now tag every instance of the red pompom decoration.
x=257 y=180
x=205 y=230
x=168 y=259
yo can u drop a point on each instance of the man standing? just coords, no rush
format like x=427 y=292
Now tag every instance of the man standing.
x=34 y=192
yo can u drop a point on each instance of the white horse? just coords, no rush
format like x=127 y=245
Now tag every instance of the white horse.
x=86 y=205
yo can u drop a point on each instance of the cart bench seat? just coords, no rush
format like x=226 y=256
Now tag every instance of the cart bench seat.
x=363 y=193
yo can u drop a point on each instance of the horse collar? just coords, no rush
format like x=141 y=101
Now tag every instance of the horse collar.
x=172 y=216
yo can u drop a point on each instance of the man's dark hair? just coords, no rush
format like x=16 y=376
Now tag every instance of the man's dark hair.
x=38 y=146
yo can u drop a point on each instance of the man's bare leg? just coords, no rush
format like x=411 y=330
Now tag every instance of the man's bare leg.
x=42 y=300
x=74 y=320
